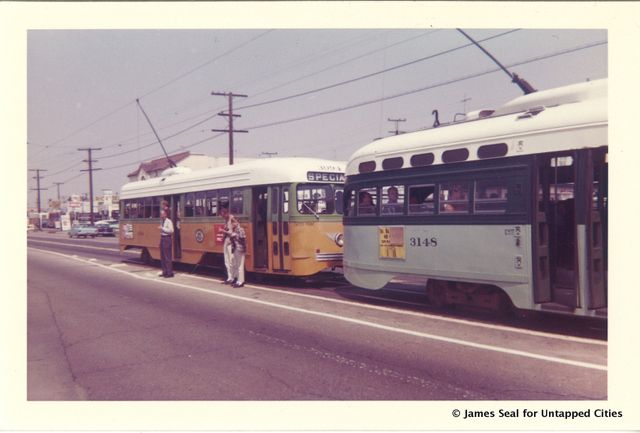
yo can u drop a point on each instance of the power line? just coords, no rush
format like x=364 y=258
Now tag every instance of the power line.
x=422 y=89
x=373 y=74
x=158 y=88
x=242 y=45
x=314 y=57
x=357 y=105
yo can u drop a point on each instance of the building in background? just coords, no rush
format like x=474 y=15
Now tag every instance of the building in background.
x=154 y=168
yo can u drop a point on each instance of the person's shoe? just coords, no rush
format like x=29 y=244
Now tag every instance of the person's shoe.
x=227 y=282
x=235 y=280
x=168 y=276
x=236 y=285
x=161 y=274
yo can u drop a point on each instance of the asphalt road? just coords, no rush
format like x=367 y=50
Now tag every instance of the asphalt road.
x=102 y=326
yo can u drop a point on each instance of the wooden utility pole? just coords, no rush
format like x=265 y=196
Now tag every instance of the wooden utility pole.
x=397 y=131
x=57 y=184
x=38 y=177
x=230 y=115
x=90 y=170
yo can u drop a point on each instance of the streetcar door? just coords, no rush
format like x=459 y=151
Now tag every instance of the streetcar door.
x=175 y=218
x=596 y=185
x=540 y=241
x=557 y=200
x=259 y=220
x=279 y=221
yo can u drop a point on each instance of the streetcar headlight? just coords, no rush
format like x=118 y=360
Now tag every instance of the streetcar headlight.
x=339 y=239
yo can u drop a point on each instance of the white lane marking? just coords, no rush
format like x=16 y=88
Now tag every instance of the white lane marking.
x=426 y=315
x=83 y=246
x=419 y=334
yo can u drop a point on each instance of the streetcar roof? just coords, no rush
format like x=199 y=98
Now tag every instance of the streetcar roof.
x=264 y=171
x=527 y=124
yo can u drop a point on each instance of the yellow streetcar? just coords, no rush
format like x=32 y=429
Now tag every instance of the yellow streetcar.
x=290 y=208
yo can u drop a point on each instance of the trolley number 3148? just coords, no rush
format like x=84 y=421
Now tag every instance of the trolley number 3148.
x=423 y=242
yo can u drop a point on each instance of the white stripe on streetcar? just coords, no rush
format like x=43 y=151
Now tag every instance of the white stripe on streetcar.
x=351 y=320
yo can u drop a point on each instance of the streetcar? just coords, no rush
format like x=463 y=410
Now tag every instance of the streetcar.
x=506 y=208
x=290 y=209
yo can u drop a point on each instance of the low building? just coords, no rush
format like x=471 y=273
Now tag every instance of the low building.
x=154 y=168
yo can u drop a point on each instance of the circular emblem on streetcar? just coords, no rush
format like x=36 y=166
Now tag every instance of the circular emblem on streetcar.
x=199 y=236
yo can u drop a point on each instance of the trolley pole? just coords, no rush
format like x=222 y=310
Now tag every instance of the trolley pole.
x=397 y=131
x=38 y=177
x=90 y=170
x=230 y=115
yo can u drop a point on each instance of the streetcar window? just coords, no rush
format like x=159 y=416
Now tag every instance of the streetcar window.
x=285 y=199
x=367 y=199
x=454 y=198
x=223 y=199
x=422 y=159
x=126 y=204
x=492 y=150
x=199 y=203
x=339 y=200
x=350 y=202
x=237 y=198
x=134 y=208
x=392 y=163
x=211 y=203
x=392 y=200
x=455 y=155
x=155 y=207
x=422 y=199
x=367 y=167
x=490 y=196
x=188 y=204
x=315 y=199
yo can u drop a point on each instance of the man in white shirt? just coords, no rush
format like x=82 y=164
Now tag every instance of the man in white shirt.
x=166 y=230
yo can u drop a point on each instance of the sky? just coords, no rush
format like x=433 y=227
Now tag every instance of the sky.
x=82 y=87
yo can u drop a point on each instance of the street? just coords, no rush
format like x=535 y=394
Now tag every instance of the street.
x=103 y=326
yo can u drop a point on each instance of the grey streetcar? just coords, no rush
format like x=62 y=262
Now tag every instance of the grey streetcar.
x=507 y=208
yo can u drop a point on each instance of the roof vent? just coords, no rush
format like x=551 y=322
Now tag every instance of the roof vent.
x=176 y=170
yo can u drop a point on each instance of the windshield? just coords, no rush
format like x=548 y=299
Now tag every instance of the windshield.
x=319 y=199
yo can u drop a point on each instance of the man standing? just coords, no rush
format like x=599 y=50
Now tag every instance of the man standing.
x=227 y=246
x=166 y=230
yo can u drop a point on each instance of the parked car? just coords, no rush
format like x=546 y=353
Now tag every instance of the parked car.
x=115 y=226
x=83 y=230
x=104 y=229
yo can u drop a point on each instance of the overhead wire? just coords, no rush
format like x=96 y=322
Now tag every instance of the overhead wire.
x=372 y=74
x=156 y=89
x=422 y=89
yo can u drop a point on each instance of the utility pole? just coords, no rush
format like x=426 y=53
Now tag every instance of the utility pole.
x=230 y=115
x=397 y=131
x=38 y=177
x=90 y=170
x=57 y=184
x=269 y=154
x=464 y=103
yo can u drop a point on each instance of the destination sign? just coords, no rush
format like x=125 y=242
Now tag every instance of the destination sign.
x=319 y=176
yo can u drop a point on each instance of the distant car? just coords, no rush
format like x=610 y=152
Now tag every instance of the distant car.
x=104 y=229
x=115 y=226
x=30 y=227
x=83 y=230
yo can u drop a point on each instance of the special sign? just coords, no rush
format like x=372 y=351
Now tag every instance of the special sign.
x=320 y=176
x=391 y=240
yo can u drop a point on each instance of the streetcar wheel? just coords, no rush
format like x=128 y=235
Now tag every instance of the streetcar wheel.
x=436 y=294
x=146 y=257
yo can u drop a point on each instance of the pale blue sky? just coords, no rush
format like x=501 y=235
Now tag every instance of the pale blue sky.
x=82 y=86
